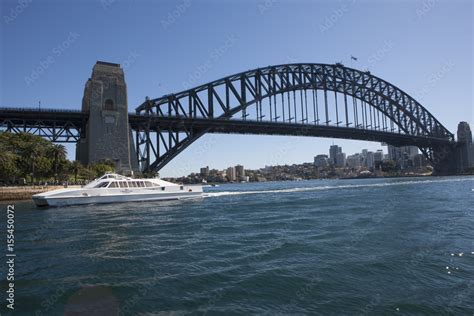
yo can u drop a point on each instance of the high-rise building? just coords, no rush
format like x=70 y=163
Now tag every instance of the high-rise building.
x=205 y=172
x=378 y=156
x=354 y=161
x=231 y=174
x=412 y=151
x=333 y=151
x=395 y=153
x=239 y=171
x=321 y=161
x=340 y=159
x=370 y=160
x=364 y=153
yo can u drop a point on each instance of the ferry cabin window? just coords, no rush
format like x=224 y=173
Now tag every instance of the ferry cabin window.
x=148 y=184
x=123 y=184
x=181 y=187
x=113 y=185
x=163 y=188
x=102 y=184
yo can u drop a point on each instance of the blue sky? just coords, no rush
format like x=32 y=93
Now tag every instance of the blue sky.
x=424 y=47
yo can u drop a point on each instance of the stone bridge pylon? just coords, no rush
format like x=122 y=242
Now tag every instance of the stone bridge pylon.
x=108 y=134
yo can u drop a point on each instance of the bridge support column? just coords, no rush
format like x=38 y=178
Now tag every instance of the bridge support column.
x=108 y=135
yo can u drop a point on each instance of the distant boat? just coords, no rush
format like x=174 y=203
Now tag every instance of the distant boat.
x=111 y=188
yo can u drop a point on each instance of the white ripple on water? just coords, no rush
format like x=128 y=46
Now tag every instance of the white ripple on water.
x=318 y=188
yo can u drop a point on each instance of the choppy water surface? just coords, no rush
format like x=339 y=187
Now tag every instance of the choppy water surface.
x=382 y=246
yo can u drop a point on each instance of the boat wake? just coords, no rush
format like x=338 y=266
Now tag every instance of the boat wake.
x=321 y=188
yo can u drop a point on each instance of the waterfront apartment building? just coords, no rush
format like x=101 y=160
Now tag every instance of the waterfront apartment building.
x=340 y=159
x=370 y=160
x=321 y=161
x=240 y=172
x=354 y=161
x=231 y=175
x=205 y=172
x=378 y=156
x=397 y=153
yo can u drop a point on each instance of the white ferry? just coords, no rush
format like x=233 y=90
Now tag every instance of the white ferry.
x=111 y=188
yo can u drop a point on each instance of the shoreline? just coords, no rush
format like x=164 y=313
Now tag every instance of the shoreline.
x=22 y=193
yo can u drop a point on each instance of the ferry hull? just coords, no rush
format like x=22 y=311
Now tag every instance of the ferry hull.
x=42 y=201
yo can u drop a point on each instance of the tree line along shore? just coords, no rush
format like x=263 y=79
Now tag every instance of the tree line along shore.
x=30 y=164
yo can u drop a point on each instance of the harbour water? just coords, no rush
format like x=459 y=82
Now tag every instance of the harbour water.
x=373 y=246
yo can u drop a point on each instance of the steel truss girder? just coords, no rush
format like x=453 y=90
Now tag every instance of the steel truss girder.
x=55 y=125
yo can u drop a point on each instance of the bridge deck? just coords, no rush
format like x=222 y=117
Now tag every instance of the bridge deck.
x=285 y=129
x=66 y=120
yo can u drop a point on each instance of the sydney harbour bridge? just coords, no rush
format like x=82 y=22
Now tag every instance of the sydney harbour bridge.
x=315 y=100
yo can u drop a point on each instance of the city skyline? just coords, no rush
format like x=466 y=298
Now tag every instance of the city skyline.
x=399 y=161
x=207 y=168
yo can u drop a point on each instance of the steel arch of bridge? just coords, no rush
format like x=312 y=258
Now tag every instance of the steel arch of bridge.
x=394 y=115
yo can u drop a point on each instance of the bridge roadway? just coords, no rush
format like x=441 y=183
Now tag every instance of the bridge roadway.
x=69 y=125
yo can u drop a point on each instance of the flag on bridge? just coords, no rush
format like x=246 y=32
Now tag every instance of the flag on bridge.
x=353 y=58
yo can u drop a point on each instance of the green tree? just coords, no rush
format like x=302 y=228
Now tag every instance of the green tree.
x=103 y=167
x=389 y=166
x=8 y=168
x=75 y=167
x=58 y=154
x=87 y=173
x=42 y=166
